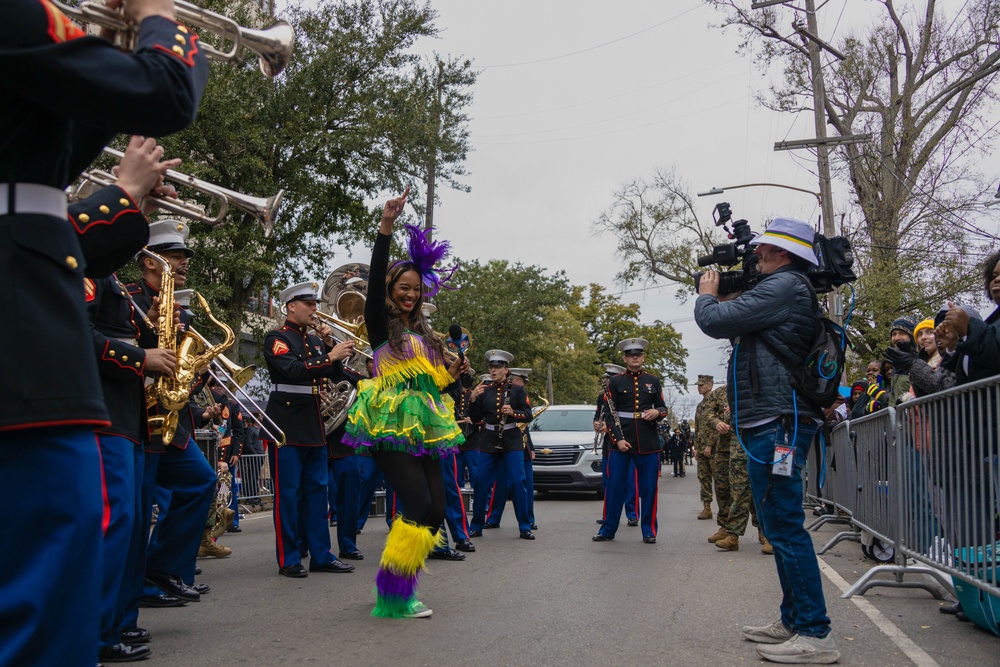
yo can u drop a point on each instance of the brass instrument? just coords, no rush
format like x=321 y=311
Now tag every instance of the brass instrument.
x=273 y=45
x=263 y=209
x=231 y=379
x=535 y=411
x=173 y=391
x=356 y=332
x=164 y=425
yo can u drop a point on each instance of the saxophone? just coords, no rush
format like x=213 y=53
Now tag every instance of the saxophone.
x=172 y=392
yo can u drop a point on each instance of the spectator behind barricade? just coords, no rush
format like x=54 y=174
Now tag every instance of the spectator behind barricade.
x=957 y=365
x=901 y=338
x=927 y=343
x=855 y=404
x=872 y=371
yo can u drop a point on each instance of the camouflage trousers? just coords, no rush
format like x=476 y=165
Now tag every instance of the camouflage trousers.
x=741 y=503
x=706 y=472
x=720 y=463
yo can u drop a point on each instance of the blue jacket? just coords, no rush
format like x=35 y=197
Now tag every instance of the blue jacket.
x=779 y=309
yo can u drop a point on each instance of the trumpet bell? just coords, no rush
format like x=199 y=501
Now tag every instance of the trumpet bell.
x=273 y=45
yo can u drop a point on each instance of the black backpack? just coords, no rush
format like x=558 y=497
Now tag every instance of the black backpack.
x=816 y=379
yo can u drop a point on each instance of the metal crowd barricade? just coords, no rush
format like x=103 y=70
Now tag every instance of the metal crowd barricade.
x=925 y=476
x=255 y=477
x=839 y=488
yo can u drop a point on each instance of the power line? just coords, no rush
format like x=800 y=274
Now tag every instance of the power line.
x=593 y=48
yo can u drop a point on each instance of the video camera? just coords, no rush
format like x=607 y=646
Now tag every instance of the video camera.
x=834 y=254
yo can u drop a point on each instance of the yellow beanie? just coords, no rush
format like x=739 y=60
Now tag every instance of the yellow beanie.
x=926 y=324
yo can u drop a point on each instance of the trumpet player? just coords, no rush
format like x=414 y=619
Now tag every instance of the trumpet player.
x=177 y=466
x=48 y=407
x=297 y=361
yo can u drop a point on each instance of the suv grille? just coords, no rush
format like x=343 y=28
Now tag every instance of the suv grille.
x=558 y=457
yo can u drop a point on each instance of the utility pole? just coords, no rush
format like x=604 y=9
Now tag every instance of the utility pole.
x=432 y=165
x=548 y=382
x=819 y=116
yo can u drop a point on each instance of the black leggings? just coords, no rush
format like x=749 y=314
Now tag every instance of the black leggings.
x=419 y=485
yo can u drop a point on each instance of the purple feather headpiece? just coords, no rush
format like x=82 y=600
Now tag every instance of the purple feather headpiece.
x=424 y=255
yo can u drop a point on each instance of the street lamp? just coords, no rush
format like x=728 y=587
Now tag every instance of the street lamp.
x=719 y=191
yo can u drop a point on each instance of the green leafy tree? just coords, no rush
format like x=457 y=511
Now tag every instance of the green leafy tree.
x=345 y=122
x=608 y=321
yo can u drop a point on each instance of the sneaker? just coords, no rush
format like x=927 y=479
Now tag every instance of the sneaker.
x=802 y=650
x=420 y=610
x=775 y=633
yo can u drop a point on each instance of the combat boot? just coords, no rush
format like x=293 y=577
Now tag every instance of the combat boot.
x=209 y=549
x=730 y=542
x=765 y=547
x=719 y=534
x=707 y=512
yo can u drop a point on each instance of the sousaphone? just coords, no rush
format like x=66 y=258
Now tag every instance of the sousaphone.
x=343 y=305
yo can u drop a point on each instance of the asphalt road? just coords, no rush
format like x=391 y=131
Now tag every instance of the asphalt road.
x=560 y=600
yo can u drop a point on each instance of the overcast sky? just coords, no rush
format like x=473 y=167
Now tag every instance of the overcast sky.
x=577 y=97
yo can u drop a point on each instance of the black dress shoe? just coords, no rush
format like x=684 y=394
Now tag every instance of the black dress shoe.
x=133 y=636
x=962 y=616
x=649 y=540
x=447 y=554
x=951 y=609
x=491 y=525
x=352 y=555
x=234 y=529
x=601 y=538
x=633 y=523
x=337 y=566
x=173 y=586
x=475 y=533
x=202 y=588
x=526 y=535
x=465 y=545
x=295 y=571
x=197 y=570
x=600 y=521
x=161 y=601
x=534 y=526
x=124 y=653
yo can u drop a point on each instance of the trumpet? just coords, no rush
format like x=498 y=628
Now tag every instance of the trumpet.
x=264 y=210
x=273 y=45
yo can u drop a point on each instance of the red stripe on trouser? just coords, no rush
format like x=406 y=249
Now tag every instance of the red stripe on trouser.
x=458 y=489
x=652 y=524
x=106 y=511
x=635 y=479
x=493 y=497
x=277 y=509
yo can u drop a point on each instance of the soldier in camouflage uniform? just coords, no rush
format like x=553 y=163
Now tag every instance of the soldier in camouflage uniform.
x=719 y=413
x=706 y=416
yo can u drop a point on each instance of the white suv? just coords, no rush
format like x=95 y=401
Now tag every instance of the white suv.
x=565 y=460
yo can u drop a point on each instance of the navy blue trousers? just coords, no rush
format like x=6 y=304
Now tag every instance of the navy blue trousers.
x=300 y=477
x=468 y=466
x=173 y=546
x=454 y=509
x=489 y=465
x=647 y=466
x=631 y=491
x=51 y=567
x=346 y=476
x=371 y=477
x=135 y=581
x=121 y=467
x=502 y=491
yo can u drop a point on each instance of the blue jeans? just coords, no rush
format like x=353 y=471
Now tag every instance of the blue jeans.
x=779 y=510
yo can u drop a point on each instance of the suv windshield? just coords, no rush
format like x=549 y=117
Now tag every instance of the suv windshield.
x=564 y=420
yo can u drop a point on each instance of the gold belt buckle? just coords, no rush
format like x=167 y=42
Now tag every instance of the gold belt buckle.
x=636 y=415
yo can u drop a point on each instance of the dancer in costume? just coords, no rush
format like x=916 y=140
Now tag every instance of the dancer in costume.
x=405 y=415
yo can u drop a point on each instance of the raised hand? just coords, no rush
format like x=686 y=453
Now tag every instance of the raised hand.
x=392 y=210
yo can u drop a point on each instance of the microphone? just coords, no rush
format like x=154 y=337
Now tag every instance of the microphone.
x=455 y=341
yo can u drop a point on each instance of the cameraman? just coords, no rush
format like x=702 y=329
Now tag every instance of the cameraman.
x=779 y=310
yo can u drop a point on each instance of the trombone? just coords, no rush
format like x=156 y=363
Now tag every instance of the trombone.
x=264 y=210
x=273 y=45
x=231 y=378
x=355 y=332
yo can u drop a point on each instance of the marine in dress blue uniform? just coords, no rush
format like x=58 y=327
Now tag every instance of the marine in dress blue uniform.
x=636 y=405
x=345 y=481
x=297 y=362
x=501 y=405
x=503 y=491
x=600 y=413
x=180 y=469
x=55 y=119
